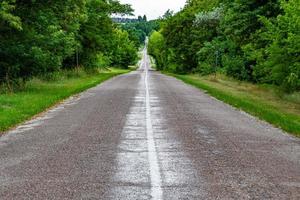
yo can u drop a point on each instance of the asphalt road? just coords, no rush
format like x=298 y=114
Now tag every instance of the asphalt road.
x=145 y=135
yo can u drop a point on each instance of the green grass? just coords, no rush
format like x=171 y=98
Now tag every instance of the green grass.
x=263 y=101
x=38 y=95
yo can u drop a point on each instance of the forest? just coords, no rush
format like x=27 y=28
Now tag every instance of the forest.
x=42 y=37
x=249 y=40
x=141 y=28
x=254 y=41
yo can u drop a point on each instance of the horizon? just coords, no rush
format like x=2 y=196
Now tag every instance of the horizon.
x=155 y=9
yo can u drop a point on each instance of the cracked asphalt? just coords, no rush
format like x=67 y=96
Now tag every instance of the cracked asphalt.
x=145 y=135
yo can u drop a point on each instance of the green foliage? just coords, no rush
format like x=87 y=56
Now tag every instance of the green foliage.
x=98 y=37
x=45 y=40
x=40 y=94
x=283 y=60
x=253 y=99
x=156 y=48
x=6 y=17
x=249 y=40
x=209 y=58
x=241 y=27
x=138 y=36
x=125 y=54
x=140 y=29
x=234 y=66
x=41 y=37
x=184 y=36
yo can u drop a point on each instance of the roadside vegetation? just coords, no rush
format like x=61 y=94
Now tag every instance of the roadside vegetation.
x=39 y=38
x=139 y=29
x=50 y=50
x=255 y=41
x=41 y=93
x=249 y=42
x=263 y=101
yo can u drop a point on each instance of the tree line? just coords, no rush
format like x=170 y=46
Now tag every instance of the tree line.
x=257 y=41
x=140 y=28
x=41 y=37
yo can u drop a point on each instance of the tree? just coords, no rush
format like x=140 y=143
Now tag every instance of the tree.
x=241 y=29
x=168 y=14
x=97 y=32
x=41 y=37
x=144 y=18
x=6 y=16
x=156 y=48
x=45 y=40
x=249 y=40
x=140 y=18
x=138 y=31
x=183 y=38
x=283 y=60
x=126 y=53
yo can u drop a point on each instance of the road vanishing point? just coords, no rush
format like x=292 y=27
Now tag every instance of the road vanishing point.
x=145 y=135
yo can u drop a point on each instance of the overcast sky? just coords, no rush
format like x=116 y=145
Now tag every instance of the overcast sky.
x=154 y=8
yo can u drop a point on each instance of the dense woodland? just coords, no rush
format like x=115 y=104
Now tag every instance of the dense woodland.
x=251 y=40
x=41 y=37
x=257 y=41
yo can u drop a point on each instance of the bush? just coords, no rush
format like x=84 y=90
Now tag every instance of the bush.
x=39 y=38
x=283 y=58
x=126 y=52
x=156 y=48
x=235 y=67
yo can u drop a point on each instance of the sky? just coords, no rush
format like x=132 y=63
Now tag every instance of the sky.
x=154 y=8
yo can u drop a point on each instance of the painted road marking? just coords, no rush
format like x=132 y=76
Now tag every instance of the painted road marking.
x=156 y=190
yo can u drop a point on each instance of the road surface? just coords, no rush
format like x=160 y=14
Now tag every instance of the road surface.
x=145 y=135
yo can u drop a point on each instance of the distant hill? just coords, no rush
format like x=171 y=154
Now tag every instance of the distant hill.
x=124 y=20
x=130 y=20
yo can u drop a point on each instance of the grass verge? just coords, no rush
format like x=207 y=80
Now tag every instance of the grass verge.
x=38 y=94
x=262 y=101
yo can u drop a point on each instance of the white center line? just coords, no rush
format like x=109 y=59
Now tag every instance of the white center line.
x=156 y=190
